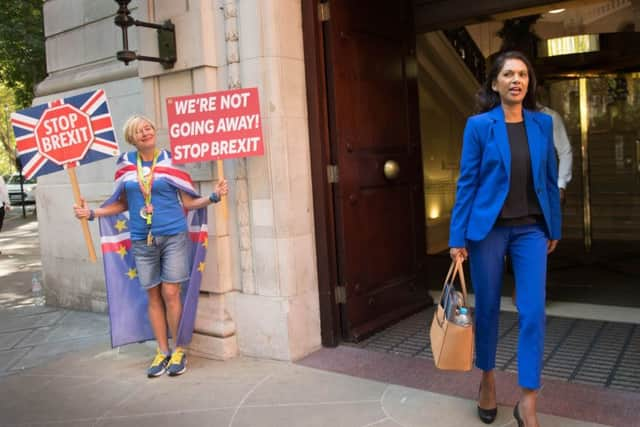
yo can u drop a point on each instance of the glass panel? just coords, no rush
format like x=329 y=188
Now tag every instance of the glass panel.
x=564 y=97
x=614 y=131
x=614 y=155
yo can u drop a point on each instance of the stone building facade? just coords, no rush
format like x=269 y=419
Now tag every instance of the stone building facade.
x=260 y=292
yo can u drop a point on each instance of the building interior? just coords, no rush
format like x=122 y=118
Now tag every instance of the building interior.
x=585 y=56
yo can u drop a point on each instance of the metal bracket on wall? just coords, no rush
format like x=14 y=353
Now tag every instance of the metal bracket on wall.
x=166 y=38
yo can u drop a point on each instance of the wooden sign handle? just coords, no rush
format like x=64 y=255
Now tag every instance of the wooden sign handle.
x=85 y=224
x=223 y=199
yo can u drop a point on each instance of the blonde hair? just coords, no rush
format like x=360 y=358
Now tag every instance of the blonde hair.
x=131 y=125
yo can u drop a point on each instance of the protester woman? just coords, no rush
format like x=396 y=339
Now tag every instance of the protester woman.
x=507 y=203
x=152 y=194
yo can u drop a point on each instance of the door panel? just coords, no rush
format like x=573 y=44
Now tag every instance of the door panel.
x=373 y=115
x=565 y=99
x=613 y=131
x=613 y=138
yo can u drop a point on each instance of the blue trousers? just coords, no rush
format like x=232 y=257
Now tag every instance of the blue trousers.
x=527 y=247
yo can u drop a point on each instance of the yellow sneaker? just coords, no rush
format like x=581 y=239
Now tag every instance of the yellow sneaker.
x=178 y=362
x=159 y=364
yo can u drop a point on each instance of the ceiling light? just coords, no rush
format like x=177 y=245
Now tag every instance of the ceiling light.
x=556 y=11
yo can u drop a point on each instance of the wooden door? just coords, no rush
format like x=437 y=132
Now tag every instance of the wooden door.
x=373 y=116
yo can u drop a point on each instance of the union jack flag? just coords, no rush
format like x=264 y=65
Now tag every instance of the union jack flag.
x=126 y=299
x=24 y=123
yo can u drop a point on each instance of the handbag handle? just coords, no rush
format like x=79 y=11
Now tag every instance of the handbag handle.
x=456 y=269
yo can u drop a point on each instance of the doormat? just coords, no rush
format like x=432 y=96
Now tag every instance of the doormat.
x=577 y=351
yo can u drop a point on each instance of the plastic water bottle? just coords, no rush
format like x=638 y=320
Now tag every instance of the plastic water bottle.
x=462 y=317
x=36 y=290
x=453 y=301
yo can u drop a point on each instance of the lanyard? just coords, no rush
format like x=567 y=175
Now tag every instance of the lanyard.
x=146 y=183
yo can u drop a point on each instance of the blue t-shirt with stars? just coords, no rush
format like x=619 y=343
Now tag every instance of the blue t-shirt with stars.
x=168 y=215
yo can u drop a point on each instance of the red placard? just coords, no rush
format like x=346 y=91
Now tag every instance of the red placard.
x=64 y=134
x=215 y=125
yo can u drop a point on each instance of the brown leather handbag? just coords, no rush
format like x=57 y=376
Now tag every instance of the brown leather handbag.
x=451 y=343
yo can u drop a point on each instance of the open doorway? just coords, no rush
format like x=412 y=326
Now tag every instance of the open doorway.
x=600 y=259
x=381 y=88
x=585 y=56
x=389 y=93
x=598 y=97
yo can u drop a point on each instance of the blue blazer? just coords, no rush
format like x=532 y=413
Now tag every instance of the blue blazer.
x=485 y=169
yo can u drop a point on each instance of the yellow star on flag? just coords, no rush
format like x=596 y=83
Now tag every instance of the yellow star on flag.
x=201 y=267
x=122 y=251
x=205 y=242
x=121 y=224
x=132 y=273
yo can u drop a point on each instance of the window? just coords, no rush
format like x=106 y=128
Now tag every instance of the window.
x=15 y=179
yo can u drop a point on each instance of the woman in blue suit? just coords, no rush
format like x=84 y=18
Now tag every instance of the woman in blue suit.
x=507 y=202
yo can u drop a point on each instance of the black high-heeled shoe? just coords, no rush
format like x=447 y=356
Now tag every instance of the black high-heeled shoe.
x=487 y=416
x=516 y=415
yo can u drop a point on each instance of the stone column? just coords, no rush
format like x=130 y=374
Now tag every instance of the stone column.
x=197 y=70
x=277 y=311
x=215 y=330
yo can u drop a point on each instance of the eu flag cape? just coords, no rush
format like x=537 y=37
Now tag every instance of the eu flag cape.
x=126 y=299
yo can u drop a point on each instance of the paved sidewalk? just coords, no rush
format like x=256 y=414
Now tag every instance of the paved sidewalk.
x=105 y=387
x=20 y=258
x=56 y=368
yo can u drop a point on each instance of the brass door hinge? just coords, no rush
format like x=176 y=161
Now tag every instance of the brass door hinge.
x=341 y=295
x=332 y=174
x=323 y=12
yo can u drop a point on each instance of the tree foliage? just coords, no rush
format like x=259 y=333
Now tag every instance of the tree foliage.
x=22 y=54
x=22 y=66
x=7 y=142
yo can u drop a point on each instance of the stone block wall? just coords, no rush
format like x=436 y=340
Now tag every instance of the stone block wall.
x=260 y=291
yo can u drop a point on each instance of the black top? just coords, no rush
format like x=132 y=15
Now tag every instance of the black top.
x=521 y=206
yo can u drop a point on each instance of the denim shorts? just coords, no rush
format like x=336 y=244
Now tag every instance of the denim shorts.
x=166 y=260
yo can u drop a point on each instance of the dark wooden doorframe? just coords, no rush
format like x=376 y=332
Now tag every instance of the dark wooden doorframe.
x=324 y=220
x=374 y=124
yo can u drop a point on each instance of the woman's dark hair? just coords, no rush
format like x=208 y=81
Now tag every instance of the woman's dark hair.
x=487 y=98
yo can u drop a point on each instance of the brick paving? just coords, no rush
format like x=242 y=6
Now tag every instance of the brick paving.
x=578 y=351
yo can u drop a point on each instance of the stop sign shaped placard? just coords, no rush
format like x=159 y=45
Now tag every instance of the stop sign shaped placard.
x=64 y=134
